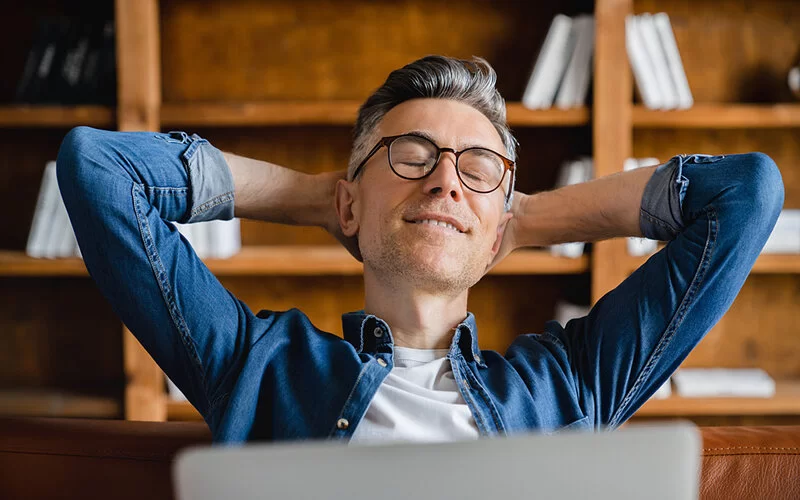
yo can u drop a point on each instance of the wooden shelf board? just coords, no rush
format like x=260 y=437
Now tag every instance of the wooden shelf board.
x=40 y=403
x=291 y=261
x=182 y=410
x=785 y=402
x=765 y=264
x=328 y=113
x=57 y=116
x=720 y=116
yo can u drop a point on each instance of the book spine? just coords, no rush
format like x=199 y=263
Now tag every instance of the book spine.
x=557 y=36
x=40 y=225
x=677 y=72
x=655 y=52
x=642 y=70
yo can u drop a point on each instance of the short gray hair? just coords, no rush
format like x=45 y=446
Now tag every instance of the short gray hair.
x=469 y=81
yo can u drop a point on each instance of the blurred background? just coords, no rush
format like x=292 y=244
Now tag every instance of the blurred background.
x=590 y=90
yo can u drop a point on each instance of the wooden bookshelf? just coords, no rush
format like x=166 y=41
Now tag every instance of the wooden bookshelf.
x=182 y=410
x=720 y=116
x=46 y=403
x=785 y=402
x=231 y=77
x=329 y=113
x=292 y=261
x=765 y=264
x=57 y=116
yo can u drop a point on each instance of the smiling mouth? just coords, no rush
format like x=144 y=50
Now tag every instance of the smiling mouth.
x=438 y=223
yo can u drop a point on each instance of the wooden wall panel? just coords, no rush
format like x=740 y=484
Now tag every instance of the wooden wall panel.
x=734 y=51
x=58 y=334
x=318 y=49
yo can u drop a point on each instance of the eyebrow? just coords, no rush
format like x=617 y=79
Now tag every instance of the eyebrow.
x=427 y=135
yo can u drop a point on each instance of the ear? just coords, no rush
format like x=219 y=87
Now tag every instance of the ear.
x=345 y=201
x=501 y=229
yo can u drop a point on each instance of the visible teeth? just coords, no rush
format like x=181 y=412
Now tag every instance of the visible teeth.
x=438 y=223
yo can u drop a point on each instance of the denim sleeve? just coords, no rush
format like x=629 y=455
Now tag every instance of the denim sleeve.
x=717 y=212
x=121 y=189
x=660 y=216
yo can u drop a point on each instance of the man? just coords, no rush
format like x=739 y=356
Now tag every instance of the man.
x=428 y=204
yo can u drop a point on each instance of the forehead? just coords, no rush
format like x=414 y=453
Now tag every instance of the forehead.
x=449 y=123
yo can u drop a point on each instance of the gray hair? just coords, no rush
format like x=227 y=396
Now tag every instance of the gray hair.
x=469 y=81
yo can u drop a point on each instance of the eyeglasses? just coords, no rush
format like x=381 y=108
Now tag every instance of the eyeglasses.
x=415 y=157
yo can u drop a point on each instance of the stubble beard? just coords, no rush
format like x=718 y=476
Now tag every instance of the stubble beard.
x=396 y=263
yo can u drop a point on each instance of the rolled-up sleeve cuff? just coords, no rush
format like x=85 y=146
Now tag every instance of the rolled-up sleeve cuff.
x=661 y=215
x=210 y=181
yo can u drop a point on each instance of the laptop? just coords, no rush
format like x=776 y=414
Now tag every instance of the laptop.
x=637 y=461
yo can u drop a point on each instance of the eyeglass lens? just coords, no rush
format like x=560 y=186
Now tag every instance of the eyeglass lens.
x=414 y=157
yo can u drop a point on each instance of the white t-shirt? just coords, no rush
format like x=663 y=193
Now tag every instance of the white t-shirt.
x=417 y=401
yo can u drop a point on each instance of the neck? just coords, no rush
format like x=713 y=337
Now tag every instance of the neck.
x=417 y=318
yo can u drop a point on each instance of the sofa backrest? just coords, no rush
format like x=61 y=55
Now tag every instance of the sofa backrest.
x=75 y=458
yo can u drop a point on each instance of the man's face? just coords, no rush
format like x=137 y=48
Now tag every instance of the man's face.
x=393 y=216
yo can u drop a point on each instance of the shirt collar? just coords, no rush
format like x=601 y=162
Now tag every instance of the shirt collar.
x=369 y=333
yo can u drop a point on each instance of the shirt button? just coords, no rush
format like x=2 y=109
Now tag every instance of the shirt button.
x=378 y=332
x=342 y=423
x=382 y=362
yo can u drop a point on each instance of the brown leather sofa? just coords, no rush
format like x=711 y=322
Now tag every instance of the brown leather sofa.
x=69 y=458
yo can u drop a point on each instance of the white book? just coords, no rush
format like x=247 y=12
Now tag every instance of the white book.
x=54 y=222
x=230 y=238
x=640 y=64
x=674 y=62
x=42 y=215
x=573 y=89
x=61 y=244
x=652 y=46
x=722 y=382
x=203 y=240
x=175 y=394
x=785 y=236
x=566 y=311
x=663 y=392
x=550 y=64
x=640 y=247
x=189 y=232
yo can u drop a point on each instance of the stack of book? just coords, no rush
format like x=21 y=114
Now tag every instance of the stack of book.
x=656 y=63
x=785 y=236
x=71 y=61
x=51 y=235
x=563 y=68
x=724 y=382
x=216 y=239
x=573 y=172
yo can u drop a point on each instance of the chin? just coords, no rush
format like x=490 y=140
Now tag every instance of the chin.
x=433 y=268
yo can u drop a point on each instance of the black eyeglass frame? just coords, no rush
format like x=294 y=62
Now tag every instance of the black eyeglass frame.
x=510 y=165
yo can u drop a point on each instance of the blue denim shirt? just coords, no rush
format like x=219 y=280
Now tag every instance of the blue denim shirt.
x=273 y=375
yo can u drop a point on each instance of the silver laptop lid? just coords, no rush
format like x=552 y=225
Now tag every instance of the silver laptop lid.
x=638 y=461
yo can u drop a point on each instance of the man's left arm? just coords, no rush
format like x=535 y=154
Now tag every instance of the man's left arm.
x=716 y=212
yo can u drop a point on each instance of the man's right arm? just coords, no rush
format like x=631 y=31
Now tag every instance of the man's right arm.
x=122 y=189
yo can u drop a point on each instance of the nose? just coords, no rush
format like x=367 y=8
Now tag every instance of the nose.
x=444 y=180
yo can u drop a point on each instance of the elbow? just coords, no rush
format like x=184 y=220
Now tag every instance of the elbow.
x=762 y=190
